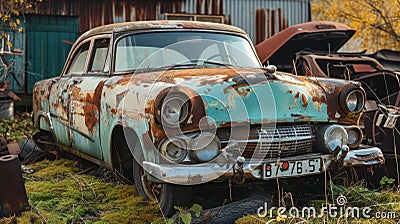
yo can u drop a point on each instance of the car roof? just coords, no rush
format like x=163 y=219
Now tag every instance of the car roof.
x=157 y=25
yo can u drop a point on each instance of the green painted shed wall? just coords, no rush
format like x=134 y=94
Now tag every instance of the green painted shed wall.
x=48 y=41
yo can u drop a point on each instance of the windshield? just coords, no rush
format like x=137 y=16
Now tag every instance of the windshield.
x=183 y=48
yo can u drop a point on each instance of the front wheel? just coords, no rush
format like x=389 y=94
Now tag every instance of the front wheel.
x=166 y=195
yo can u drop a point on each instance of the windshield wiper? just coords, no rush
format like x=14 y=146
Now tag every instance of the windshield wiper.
x=198 y=63
x=220 y=63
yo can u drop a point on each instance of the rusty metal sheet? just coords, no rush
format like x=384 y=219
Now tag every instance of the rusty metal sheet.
x=276 y=45
x=3 y=147
x=13 y=199
x=13 y=148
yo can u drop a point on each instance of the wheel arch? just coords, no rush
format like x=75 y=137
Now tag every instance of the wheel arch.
x=121 y=154
x=44 y=123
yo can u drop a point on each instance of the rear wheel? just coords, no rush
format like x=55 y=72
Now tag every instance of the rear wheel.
x=166 y=195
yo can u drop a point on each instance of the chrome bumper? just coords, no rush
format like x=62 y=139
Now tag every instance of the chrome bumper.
x=365 y=156
x=201 y=173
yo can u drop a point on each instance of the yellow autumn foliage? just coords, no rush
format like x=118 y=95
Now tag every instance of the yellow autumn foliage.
x=10 y=13
x=377 y=22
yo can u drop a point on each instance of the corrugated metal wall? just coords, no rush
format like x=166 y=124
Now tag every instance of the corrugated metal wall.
x=272 y=15
x=242 y=13
x=259 y=18
x=93 y=13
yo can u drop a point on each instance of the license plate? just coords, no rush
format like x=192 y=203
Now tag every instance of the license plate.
x=291 y=168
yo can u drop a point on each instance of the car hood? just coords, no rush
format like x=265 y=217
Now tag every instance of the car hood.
x=281 y=48
x=249 y=95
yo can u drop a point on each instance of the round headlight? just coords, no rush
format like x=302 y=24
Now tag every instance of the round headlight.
x=354 y=101
x=333 y=136
x=174 y=110
x=204 y=147
x=174 y=150
x=354 y=136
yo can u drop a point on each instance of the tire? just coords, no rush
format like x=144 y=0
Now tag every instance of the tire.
x=314 y=185
x=29 y=151
x=229 y=213
x=166 y=195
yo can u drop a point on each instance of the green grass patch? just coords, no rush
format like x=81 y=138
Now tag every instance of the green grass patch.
x=374 y=206
x=59 y=195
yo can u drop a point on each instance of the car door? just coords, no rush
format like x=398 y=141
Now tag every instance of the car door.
x=60 y=96
x=86 y=99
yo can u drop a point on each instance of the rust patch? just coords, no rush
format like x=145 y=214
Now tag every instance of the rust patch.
x=123 y=81
x=156 y=130
x=55 y=104
x=149 y=109
x=91 y=107
x=304 y=100
x=76 y=91
x=319 y=98
x=90 y=117
x=334 y=108
x=195 y=179
x=113 y=111
x=297 y=95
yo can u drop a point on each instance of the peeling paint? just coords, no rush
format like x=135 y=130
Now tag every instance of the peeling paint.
x=304 y=100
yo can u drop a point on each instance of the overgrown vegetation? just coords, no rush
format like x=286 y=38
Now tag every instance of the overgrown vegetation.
x=16 y=130
x=185 y=215
x=58 y=194
x=379 y=206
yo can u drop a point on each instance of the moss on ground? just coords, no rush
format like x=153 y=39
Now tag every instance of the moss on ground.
x=59 y=195
x=384 y=202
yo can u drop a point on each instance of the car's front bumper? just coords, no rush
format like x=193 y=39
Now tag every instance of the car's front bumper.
x=202 y=173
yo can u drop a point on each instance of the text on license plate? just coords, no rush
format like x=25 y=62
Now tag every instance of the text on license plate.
x=291 y=168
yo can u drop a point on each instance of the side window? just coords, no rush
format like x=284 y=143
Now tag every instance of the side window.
x=77 y=65
x=101 y=56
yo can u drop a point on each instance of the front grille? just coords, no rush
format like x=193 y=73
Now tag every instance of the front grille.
x=280 y=141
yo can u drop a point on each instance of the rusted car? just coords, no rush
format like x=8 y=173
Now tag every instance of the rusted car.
x=312 y=49
x=171 y=104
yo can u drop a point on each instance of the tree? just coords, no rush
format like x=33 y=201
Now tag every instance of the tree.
x=10 y=11
x=377 y=22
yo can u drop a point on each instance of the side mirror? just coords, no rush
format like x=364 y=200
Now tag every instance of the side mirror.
x=271 y=68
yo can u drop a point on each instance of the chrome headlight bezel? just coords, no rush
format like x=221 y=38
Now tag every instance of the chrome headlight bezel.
x=174 y=110
x=204 y=147
x=167 y=147
x=355 y=136
x=330 y=137
x=196 y=147
x=353 y=100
